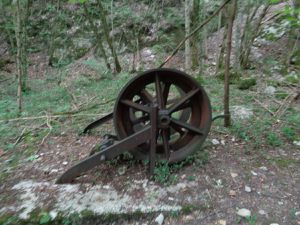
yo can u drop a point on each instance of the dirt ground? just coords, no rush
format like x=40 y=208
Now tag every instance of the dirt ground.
x=210 y=194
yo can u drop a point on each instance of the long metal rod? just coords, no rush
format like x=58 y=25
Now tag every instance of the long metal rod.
x=98 y=122
x=126 y=144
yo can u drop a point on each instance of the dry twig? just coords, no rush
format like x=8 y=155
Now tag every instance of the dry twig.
x=50 y=116
x=263 y=106
x=20 y=137
x=48 y=122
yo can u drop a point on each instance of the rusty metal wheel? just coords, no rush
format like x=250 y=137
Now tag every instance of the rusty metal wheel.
x=183 y=118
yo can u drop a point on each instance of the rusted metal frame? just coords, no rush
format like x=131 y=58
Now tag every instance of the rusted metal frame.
x=182 y=100
x=98 y=122
x=158 y=89
x=146 y=96
x=153 y=140
x=165 y=137
x=187 y=126
x=136 y=106
x=111 y=152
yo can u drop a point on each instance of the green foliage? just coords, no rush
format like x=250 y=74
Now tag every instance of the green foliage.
x=246 y=83
x=45 y=218
x=162 y=173
x=188 y=208
x=251 y=220
x=293 y=78
x=273 y=140
x=289 y=133
x=234 y=76
x=281 y=95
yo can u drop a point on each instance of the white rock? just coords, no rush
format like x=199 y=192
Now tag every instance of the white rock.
x=145 y=184
x=253 y=173
x=244 y=212
x=247 y=189
x=296 y=143
x=160 y=219
x=171 y=199
x=270 y=90
x=240 y=113
x=297 y=213
x=222 y=142
x=65 y=163
x=215 y=142
x=233 y=175
x=54 y=171
x=263 y=168
x=53 y=214
x=274 y=224
x=262 y=212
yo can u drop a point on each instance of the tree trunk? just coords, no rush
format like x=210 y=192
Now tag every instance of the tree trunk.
x=227 y=64
x=108 y=38
x=188 y=58
x=220 y=59
x=18 y=32
x=99 y=39
x=251 y=31
x=24 y=22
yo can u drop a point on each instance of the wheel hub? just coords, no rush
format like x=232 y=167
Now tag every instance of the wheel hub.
x=163 y=119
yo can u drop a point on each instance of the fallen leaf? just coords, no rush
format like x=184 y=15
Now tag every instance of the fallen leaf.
x=233 y=175
x=232 y=193
x=221 y=222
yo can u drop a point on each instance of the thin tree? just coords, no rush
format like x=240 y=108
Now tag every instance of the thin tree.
x=97 y=34
x=188 y=56
x=231 y=17
x=18 y=33
x=107 y=36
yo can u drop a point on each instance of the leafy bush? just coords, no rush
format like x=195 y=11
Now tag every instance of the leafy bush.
x=245 y=84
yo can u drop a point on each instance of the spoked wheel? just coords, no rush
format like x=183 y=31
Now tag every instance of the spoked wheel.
x=161 y=113
x=183 y=117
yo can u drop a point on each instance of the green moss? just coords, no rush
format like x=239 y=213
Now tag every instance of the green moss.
x=234 y=77
x=246 y=83
x=293 y=78
x=273 y=140
x=188 y=208
x=284 y=162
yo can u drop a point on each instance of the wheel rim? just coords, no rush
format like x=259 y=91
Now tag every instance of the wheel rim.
x=184 y=112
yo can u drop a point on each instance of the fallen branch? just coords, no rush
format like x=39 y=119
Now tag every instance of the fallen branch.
x=263 y=106
x=50 y=116
x=194 y=32
x=286 y=103
x=1 y=81
x=83 y=109
x=48 y=122
x=20 y=137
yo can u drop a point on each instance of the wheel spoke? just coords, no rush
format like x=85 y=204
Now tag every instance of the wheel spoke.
x=177 y=128
x=136 y=106
x=146 y=96
x=187 y=126
x=158 y=92
x=182 y=100
x=165 y=93
x=183 y=106
x=165 y=138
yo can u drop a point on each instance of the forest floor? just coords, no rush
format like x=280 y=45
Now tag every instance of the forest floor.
x=254 y=164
